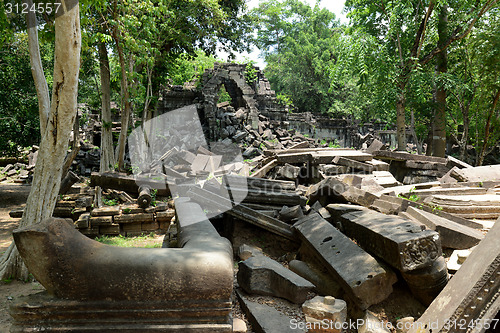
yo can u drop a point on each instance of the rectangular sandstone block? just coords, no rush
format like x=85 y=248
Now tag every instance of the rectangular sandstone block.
x=134 y=218
x=165 y=216
x=131 y=209
x=100 y=221
x=453 y=235
x=363 y=279
x=106 y=211
x=399 y=242
x=113 y=229
x=150 y=226
x=131 y=227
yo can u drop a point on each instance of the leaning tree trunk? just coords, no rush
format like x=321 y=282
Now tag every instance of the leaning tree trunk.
x=107 y=152
x=54 y=144
x=439 y=133
x=125 y=116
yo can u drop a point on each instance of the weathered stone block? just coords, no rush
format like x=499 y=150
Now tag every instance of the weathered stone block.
x=134 y=218
x=83 y=221
x=359 y=274
x=165 y=216
x=266 y=319
x=453 y=235
x=323 y=283
x=105 y=211
x=263 y=276
x=150 y=226
x=101 y=221
x=399 y=242
x=112 y=229
x=325 y=309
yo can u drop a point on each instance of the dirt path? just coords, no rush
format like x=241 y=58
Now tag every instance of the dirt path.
x=12 y=196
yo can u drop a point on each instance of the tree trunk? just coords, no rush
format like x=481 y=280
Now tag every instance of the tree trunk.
x=414 y=133
x=401 y=120
x=107 y=152
x=439 y=134
x=54 y=144
x=125 y=116
x=482 y=154
x=42 y=89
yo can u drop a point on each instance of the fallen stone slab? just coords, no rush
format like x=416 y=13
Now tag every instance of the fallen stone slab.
x=422 y=193
x=455 y=162
x=399 y=242
x=402 y=156
x=363 y=279
x=453 y=235
x=471 y=297
x=379 y=165
x=478 y=174
x=254 y=183
x=375 y=146
x=210 y=199
x=265 y=169
x=324 y=284
x=340 y=160
x=266 y=319
x=263 y=276
x=288 y=171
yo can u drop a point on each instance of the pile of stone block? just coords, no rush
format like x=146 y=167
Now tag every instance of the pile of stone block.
x=126 y=220
x=20 y=172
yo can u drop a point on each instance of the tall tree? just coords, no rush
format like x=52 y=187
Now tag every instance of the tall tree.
x=298 y=43
x=439 y=124
x=148 y=34
x=411 y=41
x=58 y=124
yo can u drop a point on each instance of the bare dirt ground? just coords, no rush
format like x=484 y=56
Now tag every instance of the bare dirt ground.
x=12 y=196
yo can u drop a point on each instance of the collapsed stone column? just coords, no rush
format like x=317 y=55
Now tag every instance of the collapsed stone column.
x=102 y=288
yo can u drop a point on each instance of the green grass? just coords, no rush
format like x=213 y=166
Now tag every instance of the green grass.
x=147 y=241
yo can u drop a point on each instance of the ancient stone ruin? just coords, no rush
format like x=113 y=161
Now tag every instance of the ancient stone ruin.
x=280 y=234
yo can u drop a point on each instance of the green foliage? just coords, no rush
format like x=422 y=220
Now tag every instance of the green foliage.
x=109 y=201
x=19 y=121
x=411 y=195
x=147 y=241
x=285 y=100
x=224 y=95
x=187 y=67
x=153 y=197
x=298 y=43
x=250 y=74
